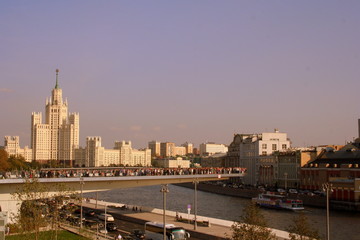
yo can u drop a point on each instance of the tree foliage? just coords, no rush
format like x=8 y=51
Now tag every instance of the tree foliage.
x=301 y=229
x=4 y=165
x=30 y=216
x=18 y=163
x=38 y=206
x=253 y=226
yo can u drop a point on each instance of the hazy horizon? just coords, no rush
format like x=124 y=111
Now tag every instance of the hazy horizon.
x=184 y=71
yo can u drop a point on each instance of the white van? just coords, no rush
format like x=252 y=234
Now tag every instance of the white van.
x=109 y=217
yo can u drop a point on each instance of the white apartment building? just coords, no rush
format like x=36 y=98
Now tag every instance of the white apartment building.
x=172 y=163
x=255 y=148
x=188 y=147
x=208 y=149
x=155 y=148
x=94 y=155
x=179 y=151
x=12 y=147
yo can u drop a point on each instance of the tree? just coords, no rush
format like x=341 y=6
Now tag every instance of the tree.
x=253 y=226
x=301 y=229
x=4 y=165
x=39 y=207
x=18 y=163
x=31 y=212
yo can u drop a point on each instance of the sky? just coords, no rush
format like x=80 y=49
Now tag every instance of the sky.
x=184 y=71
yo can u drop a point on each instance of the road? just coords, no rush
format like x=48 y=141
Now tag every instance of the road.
x=125 y=228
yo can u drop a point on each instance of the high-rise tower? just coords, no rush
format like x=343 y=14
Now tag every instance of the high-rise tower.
x=57 y=138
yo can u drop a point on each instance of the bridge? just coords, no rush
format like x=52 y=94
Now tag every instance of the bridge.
x=90 y=183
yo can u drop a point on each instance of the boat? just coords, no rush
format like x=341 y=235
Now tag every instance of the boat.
x=271 y=200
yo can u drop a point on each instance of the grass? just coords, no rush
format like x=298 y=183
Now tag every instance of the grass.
x=48 y=235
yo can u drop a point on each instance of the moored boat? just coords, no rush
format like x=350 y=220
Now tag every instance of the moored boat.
x=271 y=200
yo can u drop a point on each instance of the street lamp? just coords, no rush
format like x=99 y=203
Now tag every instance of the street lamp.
x=81 y=201
x=327 y=187
x=286 y=175
x=196 y=181
x=164 y=190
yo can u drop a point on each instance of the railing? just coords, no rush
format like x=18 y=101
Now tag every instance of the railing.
x=116 y=172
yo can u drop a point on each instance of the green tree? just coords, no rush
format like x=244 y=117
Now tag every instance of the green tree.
x=31 y=215
x=4 y=165
x=253 y=226
x=301 y=229
x=17 y=163
x=39 y=207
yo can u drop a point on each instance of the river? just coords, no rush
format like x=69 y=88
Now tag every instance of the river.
x=343 y=225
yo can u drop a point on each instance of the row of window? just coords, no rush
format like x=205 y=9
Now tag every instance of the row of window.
x=274 y=146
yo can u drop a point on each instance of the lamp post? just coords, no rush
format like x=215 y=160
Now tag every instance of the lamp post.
x=164 y=190
x=196 y=181
x=327 y=187
x=81 y=201
x=105 y=219
x=286 y=175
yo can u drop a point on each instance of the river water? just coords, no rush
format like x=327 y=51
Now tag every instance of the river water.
x=343 y=225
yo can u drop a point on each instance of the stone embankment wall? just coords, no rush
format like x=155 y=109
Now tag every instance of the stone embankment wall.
x=312 y=201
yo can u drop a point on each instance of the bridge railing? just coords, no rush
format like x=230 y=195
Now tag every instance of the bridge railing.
x=116 y=172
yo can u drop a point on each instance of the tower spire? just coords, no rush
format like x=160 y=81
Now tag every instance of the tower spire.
x=57 y=77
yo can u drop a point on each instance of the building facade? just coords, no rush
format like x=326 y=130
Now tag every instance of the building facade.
x=254 y=152
x=155 y=148
x=188 y=147
x=172 y=163
x=167 y=149
x=94 y=155
x=208 y=149
x=341 y=164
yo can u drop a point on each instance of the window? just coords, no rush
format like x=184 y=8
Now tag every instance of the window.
x=264 y=153
x=264 y=146
x=274 y=147
x=284 y=146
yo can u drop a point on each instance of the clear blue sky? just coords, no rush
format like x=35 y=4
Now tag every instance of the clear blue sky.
x=184 y=70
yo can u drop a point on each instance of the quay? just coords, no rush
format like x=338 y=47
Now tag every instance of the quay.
x=211 y=228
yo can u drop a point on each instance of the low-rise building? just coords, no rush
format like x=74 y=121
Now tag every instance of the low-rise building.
x=330 y=164
x=210 y=148
x=94 y=155
x=172 y=163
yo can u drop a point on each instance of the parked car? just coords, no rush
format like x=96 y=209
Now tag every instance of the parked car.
x=90 y=213
x=293 y=191
x=94 y=224
x=281 y=191
x=111 y=226
x=108 y=217
x=138 y=234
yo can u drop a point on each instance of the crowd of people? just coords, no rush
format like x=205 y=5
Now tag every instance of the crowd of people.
x=116 y=172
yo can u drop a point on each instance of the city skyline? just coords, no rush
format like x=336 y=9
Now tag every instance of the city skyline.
x=184 y=71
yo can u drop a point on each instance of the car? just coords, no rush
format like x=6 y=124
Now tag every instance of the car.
x=90 y=213
x=108 y=217
x=293 y=191
x=281 y=191
x=93 y=224
x=111 y=226
x=138 y=234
